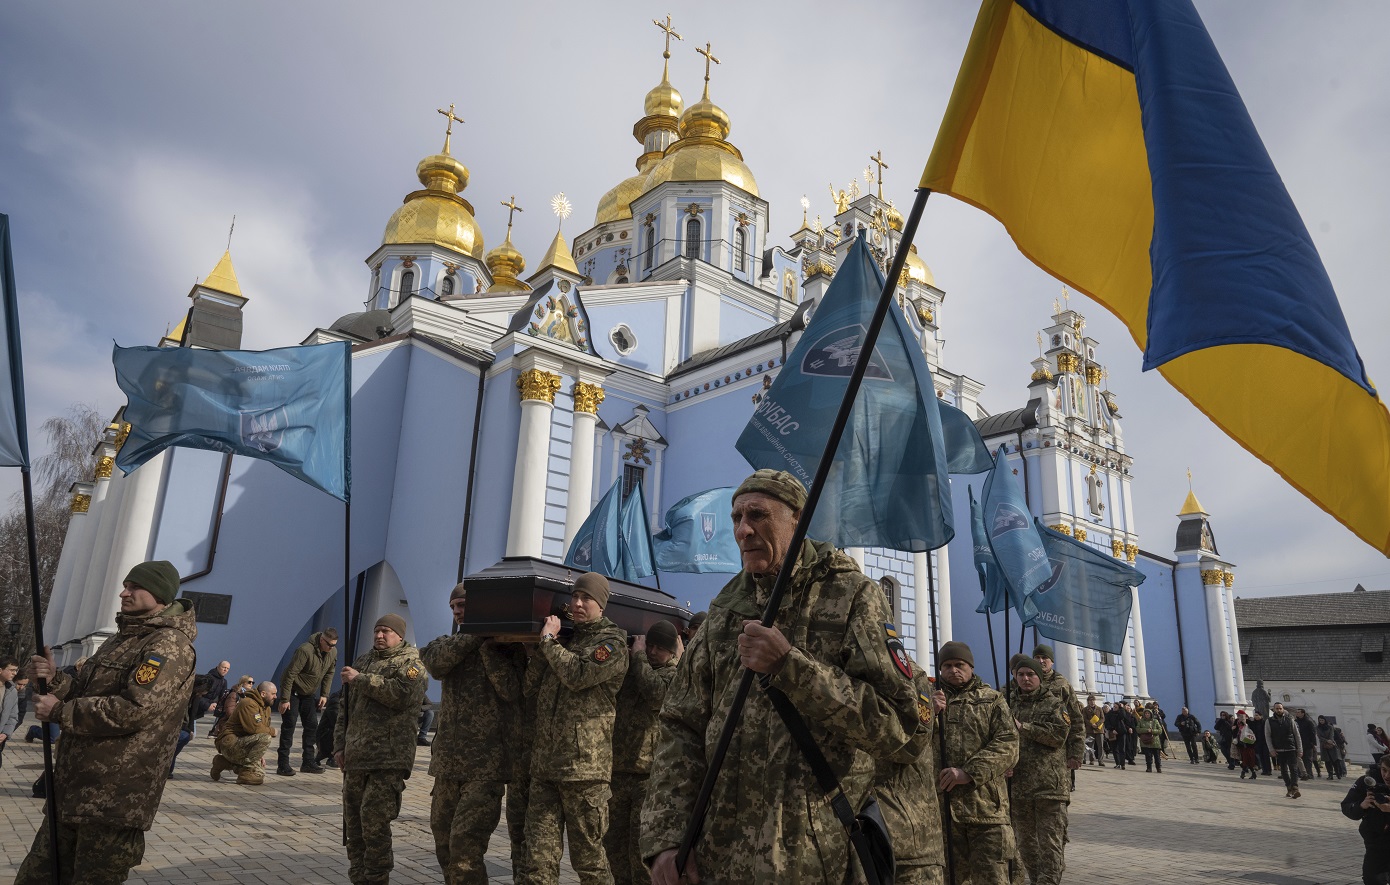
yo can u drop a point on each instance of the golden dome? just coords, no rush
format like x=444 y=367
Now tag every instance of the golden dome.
x=223 y=277
x=663 y=100
x=506 y=264
x=701 y=162
x=917 y=269
x=437 y=214
x=705 y=118
x=616 y=205
x=558 y=256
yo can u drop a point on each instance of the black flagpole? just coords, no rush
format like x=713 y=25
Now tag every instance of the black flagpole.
x=50 y=792
x=856 y=378
x=941 y=721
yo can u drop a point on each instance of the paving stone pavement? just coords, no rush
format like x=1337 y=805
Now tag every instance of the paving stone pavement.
x=1188 y=825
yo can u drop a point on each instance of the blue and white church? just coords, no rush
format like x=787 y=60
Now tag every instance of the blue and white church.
x=492 y=407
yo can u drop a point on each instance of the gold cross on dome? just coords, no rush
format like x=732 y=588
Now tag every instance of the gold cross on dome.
x=453 y=118
x=878 y=158
x=670 y=32
x=709 y=57
x=512 y=209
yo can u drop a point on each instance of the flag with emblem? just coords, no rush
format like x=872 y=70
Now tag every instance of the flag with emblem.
x=614 y=539
x=699 y=535
x=637 y=559
x=888 y=486
x=290 y=406
x=1086 y=598
x=1012 y=540
x=992 y=583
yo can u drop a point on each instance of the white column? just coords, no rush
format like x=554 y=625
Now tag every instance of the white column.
x=1230 y=599
x=1127 y=667
x=526 y=528
x=943 y=591
x=130 y=545
x=1066 y=661
x=586 y=402
x=77 y=583
x=856 y=554
x=1142 y=670
x=1220 y=642
x=1088 y=659
x=76 y=544
x=924 y=612
x=96 y=594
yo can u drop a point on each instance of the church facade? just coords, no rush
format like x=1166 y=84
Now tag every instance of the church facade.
x=492 y=408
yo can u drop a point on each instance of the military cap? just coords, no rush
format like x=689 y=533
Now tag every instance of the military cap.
x=957 y=651
x=595 y=586
x=393 y=622
x=778 y=484
x=159 y=577
x=662 y=634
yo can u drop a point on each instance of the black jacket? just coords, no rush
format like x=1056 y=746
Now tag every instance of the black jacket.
x=1280 y=732
x=1224 y=729
x=1375 y=824
x=216 y=689
x=1188 y=725
x=1308 y=730
x=1119 y=721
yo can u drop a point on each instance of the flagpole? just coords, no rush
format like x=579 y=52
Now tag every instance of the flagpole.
x=941 y=731
x=50 y=793
x=989 y=626
x=856 y=379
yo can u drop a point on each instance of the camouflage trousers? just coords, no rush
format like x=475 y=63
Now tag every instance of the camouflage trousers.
x=89 y=854
x=463 y=815
x=371 y=800
x=983 y=854
x=624 y=826
x=246 y=752
x=932 y=874
x=1040 y=827
x=573 y=810
x=518 y=794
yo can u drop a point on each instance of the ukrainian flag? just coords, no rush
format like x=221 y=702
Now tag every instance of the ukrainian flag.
x=1109 y=139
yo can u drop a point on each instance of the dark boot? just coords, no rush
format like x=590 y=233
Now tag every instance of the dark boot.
x=309 y=767
x=284 y=769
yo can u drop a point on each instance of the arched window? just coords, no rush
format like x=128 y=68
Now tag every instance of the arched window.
x=741 y=248
x=407 y=285
x=446 y=286
x=648 y=245
x=692 y=238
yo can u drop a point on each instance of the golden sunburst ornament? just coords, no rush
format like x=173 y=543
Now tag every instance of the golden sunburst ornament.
x=561 y=206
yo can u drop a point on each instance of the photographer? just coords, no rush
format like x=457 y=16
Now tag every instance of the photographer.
x=1369 y=802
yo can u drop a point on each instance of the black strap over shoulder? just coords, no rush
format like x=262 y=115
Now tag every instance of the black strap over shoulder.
x=867 y=831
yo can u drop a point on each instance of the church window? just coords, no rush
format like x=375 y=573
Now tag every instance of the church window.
x=632 y=478
x=624 y=341
x=407 y=285
x=692 y=238
x=446 y=286
x=890 y=591
x=741 y=249
x=648 y=245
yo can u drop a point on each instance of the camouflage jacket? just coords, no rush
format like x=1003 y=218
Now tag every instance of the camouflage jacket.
x=1041 y=771
x=378 y=726
x=120 y=719
x=251 y=716
x=576 y=690
x=982 y=741
x=639 y=700
x=310 y=671
x=767 y=822
x=1058 y=685
x=478 y=683
x=905 y=785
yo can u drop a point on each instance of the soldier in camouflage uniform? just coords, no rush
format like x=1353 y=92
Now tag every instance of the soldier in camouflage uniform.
x=521 y=724
x=470 y=763
x=981 y=744
x=120 y=718
x=576 y=688
x=839 y=661
x=1058 y=684
x=374 y=745
x=243 y=743
x=651 y=665
x=1040 y=785
x=905 y=785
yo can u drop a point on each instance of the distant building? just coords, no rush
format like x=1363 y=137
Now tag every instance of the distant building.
x=1324 y=652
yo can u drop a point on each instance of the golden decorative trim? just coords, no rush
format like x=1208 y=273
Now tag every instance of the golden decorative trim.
x=1131 y=552
x=81 y=503
x=587 y=397
x=1042 y=373
x=1059 y=527
x=811 y=268
x=1068 y=362
x=121 y=435
x=1117 y=548
x=538 y=385
x=1093 y=374
x=104 y=467
x=1212 y=577
x=1080 y=533
x=925 y=315
x=1228 y=578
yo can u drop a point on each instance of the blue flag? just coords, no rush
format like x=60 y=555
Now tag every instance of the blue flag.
x=966 y=451
x=888 y=486
x=595 y=547
x=992 y=583
x=637 y=559
x=699 y=535
x=1012 y=539
x=1086 y=600
x=290 y=406
x=14 y=442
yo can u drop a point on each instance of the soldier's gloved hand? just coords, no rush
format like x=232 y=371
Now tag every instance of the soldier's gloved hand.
x=664 y=869
x=762 y=649
x=41 y=666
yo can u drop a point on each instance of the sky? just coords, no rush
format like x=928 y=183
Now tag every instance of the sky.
x=130 y=134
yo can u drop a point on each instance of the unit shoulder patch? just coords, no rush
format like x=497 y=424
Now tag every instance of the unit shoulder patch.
x=604 y=652
x=896 y=651
x=924 y=709
x=413 y=671
x=148 y=670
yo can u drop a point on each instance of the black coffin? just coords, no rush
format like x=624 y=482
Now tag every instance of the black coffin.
x=511 y=600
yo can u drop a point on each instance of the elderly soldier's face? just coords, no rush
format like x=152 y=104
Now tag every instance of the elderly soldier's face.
x=1046 y=663
x=763 y=528
x=136 y=600
x=956 y=672
x=457 y=605
x=584 y=608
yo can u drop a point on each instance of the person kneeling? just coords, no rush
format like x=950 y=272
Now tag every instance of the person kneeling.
x=242 y=745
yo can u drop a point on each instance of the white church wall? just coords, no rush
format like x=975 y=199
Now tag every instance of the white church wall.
x=1354 y=704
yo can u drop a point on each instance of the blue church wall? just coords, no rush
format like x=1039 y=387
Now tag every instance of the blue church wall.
x=492 y=495
x=183 y=532
x=646 y=319
x=1191 y=595
x=1159 y=615
x=737 y=320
